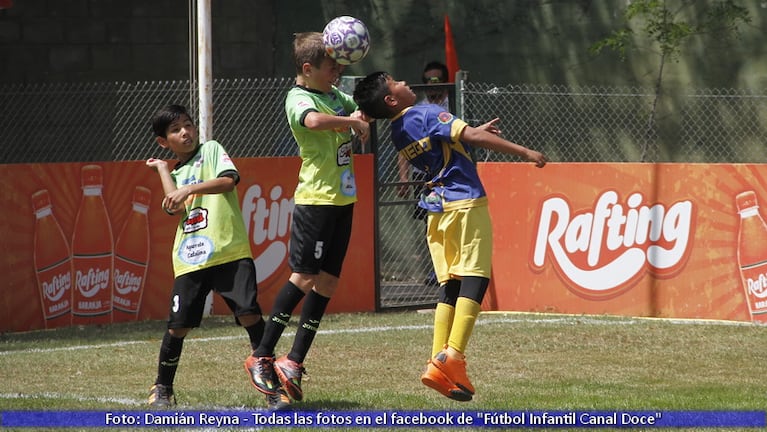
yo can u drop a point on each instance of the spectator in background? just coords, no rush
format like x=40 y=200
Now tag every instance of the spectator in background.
x=436 y=73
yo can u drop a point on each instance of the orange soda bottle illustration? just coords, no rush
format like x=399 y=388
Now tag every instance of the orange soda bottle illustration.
x=53 y=263
x=92 y=254
x=752 y=254
x=131 y=258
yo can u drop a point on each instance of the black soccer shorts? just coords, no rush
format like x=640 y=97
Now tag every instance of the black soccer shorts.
x=234 y=281
x=319 y=238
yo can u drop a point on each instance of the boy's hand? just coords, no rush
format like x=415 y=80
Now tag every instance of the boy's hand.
x=156 y=163
x=362 y=125
x=539 y=158
x=362 y=116
x=174 y=201
x=174 y=198
x=491 y=127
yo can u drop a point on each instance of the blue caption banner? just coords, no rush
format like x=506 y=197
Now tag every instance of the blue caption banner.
x=385 y=419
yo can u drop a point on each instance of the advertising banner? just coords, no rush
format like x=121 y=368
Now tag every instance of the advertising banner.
x=658 y=240
x=88 y=243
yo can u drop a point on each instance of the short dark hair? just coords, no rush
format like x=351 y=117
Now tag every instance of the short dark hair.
x=165 y=116
x=369 y=94
x=436 y=65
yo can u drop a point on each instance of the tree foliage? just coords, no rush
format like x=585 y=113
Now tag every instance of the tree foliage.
x=667 y=25
x=662 y=23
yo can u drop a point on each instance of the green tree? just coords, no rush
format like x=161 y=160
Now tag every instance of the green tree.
x=663 y=24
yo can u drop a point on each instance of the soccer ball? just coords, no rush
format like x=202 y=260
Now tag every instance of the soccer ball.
x=346 y=40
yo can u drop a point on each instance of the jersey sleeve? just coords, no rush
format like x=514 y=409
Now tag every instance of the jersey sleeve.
x=297 y=106
x=442 y=125
x=222 y=163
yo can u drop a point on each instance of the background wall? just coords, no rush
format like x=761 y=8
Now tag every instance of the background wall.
x=524 y=41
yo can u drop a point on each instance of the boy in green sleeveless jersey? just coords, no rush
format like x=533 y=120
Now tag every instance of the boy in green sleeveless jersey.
x=211 y=250
x=322 y=119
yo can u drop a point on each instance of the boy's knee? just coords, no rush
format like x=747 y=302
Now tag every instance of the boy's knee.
x=249 y=320
x=179 y=333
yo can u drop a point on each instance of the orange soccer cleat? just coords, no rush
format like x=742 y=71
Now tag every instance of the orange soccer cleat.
x=436 y=379
x=454 y=370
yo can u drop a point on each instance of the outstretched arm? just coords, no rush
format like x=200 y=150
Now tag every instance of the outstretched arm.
x=487 y=136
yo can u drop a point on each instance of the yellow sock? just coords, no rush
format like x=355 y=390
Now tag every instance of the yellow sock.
x=466 y=312
x=443 y=322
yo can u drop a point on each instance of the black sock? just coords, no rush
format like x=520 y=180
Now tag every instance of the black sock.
x=287 y=300
x=255 y=333
x=170 y=353
x=311 y=315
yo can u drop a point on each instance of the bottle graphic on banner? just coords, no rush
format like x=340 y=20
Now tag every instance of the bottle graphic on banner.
x=752 y=254
x=53 y=263
x=92 y=254
x=131 y=258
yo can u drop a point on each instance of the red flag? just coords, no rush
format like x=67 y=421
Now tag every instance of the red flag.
x=6 y=4
x=451 y=56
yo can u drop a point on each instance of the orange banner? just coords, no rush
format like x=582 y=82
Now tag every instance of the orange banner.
x=87 y=243
x=661 y=240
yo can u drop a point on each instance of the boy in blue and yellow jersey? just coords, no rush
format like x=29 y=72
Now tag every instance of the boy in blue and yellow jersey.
x=211 y=250
x=321 y=119
x=459 y=232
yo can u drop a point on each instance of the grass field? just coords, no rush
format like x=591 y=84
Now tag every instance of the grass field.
x=368 y=362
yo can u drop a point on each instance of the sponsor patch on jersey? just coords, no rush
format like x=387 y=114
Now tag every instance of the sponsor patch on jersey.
x=348 y=185
x=344 y=155
x=195 y=250
x=445 y=117
x=197 y=220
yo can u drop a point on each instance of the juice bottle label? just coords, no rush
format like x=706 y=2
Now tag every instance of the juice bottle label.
x=92 y=294
x=129 y=278
x=131 y=257
x=755 y=284
x=53 y=263
x=56 y=288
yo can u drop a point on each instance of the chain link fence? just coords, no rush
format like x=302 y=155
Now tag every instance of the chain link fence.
x=111 y=121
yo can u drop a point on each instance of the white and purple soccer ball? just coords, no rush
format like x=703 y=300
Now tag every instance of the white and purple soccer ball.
x=346 y=40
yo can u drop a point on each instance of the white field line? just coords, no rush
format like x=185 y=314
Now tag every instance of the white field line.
x=116 y=401
x=487 y=318
x=60 y=396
